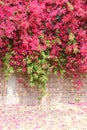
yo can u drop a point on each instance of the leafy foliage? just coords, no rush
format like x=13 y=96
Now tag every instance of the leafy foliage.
x=43 y=37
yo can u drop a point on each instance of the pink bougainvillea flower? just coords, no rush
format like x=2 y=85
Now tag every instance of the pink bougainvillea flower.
x=30 y=27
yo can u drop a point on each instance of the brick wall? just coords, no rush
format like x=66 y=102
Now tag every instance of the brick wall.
x=2 y=86
x=62 y=90
x=58 y=90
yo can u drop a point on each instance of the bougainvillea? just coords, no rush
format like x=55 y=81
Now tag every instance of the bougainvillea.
x=39 y=37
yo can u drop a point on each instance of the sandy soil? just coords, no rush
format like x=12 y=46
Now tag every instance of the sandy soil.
x=58 y=117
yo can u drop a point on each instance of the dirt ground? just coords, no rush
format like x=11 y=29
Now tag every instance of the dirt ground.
x=58 y=117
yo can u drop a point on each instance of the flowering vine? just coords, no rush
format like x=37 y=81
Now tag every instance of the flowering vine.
x=39 y=37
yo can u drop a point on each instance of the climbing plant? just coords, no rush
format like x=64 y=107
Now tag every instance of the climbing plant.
x=40 y=37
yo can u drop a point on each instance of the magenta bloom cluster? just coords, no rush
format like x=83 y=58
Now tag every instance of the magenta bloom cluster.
x=51 y=34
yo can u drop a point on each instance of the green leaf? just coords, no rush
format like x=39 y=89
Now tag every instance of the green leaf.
x=28 y=60
x=32 y=84
x=29 y=69
x=19 y=69
x=62 y=72
x=11 y=70
x=55 y=72
x=41 y=36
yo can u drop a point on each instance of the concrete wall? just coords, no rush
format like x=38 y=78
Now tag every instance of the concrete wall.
x=58 y=90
